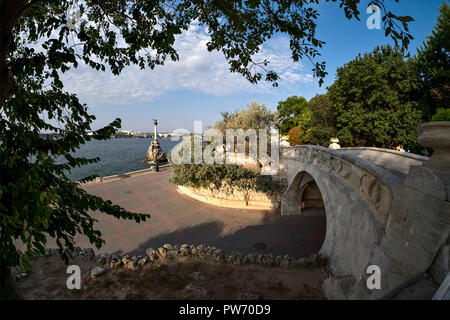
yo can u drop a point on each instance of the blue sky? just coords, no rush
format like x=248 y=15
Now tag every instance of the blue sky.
x=199 y=86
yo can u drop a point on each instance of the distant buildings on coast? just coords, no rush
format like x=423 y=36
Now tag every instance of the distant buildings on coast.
x=125 y=134
x=138 y=134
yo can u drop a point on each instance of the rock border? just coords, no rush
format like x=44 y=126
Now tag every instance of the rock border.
x=185 y=252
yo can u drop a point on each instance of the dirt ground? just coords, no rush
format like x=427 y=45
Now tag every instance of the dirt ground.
x=172 y=279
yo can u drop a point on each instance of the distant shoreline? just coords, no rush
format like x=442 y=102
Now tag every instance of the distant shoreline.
x=117 y=156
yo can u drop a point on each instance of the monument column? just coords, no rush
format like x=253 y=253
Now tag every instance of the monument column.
x=154 y=154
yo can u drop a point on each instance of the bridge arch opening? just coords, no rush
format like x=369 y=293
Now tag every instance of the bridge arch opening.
x=304 y=199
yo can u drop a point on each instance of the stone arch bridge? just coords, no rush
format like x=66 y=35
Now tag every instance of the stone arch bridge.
x=383 y=207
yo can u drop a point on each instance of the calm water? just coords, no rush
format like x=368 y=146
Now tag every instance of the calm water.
x=117 y=156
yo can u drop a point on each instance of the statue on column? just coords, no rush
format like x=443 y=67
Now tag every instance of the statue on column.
x=155 y=155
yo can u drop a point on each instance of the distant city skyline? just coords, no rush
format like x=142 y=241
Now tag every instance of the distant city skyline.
x=200 y=85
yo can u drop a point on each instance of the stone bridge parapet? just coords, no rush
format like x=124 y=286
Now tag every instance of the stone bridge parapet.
x=383 y=207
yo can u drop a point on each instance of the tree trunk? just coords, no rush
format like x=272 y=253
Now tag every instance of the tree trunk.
x=8 y=288
x=5 y=289
x=7 y=82
x=10 y=12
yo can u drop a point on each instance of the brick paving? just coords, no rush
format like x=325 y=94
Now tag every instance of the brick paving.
x=176 y=219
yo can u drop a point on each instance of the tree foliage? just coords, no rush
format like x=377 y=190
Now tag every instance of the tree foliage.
x=296 y=136
x=254 y=116
x=441 y=115
x=433 y=63
x=293 y=112
x=119 y=33
x=39 y=41
x=322 y=124
x=375 y=99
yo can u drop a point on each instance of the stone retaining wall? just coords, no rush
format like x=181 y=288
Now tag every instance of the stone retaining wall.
x=234 y=197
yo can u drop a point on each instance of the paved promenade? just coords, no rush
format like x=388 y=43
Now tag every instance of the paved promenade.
x=178 y=219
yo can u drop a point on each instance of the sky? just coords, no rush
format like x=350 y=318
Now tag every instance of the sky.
x=200 y=86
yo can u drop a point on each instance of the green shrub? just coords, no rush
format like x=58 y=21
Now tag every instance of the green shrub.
x=441 y=115
x=203 y=175
x=264 y=183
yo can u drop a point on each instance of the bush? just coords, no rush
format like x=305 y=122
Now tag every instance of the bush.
x=441 y=115
x=264 y=184
x=296 y=136
x=203 y=175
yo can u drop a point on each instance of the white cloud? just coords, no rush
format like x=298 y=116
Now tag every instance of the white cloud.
x=197 y=70
x=292 y=77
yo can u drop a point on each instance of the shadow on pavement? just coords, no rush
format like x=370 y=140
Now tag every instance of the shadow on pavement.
x=298 y=236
